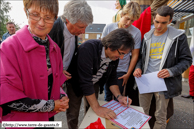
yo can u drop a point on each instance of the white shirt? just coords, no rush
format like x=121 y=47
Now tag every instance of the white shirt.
x=69 y=47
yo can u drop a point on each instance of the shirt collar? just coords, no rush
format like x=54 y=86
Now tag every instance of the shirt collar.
x=67 y=33
x=103 y=56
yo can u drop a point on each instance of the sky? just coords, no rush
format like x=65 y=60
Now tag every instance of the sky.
x=102 y=10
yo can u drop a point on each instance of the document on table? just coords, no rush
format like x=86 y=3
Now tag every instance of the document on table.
x=127 y=117
x=149 y=83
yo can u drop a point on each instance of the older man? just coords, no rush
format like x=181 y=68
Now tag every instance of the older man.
x=76 y=17
x=11 y=30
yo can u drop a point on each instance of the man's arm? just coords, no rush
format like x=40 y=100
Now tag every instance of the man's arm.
x=105 y=112
x=114 y=88
x=184 y=57
x=116 y=92
x=133 y=61
x=104 y=32
x=138 y=67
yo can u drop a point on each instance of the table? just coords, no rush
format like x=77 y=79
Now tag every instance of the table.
x=91 y=117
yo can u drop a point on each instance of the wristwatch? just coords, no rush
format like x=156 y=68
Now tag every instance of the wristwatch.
x=118 y=96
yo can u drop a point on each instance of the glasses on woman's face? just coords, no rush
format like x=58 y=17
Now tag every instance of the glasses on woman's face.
x=120 y=53
x=37 y=17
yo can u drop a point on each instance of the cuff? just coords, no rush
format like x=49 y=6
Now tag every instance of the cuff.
x=62 y=95
x=171 y=74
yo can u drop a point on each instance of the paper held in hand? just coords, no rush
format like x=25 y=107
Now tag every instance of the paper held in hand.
x=149 y=83
x=127 y=117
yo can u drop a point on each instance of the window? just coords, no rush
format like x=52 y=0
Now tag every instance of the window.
x=86 y=36
x=98 y=36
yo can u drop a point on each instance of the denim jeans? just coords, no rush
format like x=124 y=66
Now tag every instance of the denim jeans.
x=108 y=94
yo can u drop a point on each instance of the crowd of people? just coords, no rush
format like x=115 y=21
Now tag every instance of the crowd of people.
x=44 y=71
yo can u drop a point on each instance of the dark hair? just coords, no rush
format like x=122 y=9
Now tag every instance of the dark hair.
x=164 y=11
x=10 y=23
x=118 y=39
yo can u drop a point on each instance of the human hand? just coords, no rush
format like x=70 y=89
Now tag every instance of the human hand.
x=125 y=78
x=105 y=112
x=123 y=101
x=67 y=74
x=163 y=73
x=61 y=105
x=137 y=73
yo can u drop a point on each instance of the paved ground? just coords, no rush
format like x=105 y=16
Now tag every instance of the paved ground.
x=183 y=117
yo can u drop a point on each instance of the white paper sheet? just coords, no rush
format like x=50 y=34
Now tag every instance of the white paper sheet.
x=149 y=83
x=127 y=117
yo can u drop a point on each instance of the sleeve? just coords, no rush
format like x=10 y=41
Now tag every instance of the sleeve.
x=112 y=79
x=137 y=40
x=105 y=31
x=62 y=76
x=11 y=86
x=62 y=92
x=85 y=69
x=31 y=105
x=192 y=46
x=184 y=57
x=3 y=37
x=118 y=18
x=139 y=62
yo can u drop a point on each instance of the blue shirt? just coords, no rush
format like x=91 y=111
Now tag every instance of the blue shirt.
x=6 y=35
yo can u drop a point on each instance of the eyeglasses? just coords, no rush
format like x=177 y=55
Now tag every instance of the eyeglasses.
x=36 y=17
x=120 y=53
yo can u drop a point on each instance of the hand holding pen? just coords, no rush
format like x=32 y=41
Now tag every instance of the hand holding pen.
x=125 y=101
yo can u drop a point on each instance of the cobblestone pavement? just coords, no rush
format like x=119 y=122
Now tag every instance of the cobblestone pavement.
x=183 y=117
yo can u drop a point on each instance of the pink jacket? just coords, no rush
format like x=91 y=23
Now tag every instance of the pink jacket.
x=24 y=73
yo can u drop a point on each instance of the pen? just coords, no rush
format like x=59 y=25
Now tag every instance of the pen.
x=116 y=126
x=127 y=101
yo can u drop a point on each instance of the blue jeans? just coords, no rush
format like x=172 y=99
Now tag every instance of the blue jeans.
x=108 y=94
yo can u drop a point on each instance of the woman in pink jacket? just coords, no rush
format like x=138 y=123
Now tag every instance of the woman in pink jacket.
x=31 y=68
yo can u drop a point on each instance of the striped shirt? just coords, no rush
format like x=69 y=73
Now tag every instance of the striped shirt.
x=104 y=62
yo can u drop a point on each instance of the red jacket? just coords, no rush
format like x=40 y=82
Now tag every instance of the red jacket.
x=144 y=22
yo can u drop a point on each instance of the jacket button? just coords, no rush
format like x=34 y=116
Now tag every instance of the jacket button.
x=56 y=74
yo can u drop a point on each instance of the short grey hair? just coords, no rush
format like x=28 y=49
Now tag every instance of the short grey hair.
x=77 y=11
